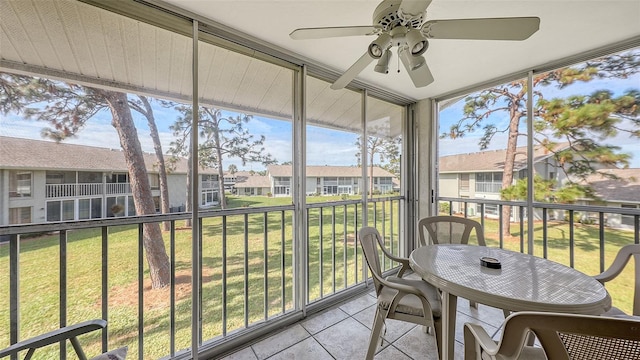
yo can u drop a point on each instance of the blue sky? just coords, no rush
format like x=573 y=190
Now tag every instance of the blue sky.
x=470 y=143
x=324 y=146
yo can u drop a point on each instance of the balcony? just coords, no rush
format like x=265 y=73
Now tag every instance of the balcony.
x=247 y=274
x=247 y=278
x=86 y=189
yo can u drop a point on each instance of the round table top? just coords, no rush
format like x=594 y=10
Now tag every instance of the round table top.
x=524 y=282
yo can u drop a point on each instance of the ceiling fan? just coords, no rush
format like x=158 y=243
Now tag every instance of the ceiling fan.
x=401 y=23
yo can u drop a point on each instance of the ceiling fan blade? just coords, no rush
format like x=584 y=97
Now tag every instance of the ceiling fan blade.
x=414 y=7
x=327 y=32
x=421 y=76
x=352 y=72
x=516 y=28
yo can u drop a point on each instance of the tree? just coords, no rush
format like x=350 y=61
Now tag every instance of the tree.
x=579 y=121
x=232 y=169
x=223 y=136
x=386 y=149
x=143 y=106
x=66 y=108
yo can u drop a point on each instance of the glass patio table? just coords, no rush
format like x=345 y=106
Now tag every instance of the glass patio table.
x=524 y=282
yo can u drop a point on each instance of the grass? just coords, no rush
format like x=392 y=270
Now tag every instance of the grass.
x=39 y=273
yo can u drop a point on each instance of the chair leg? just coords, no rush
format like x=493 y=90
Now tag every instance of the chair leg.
x=437 y=330
x=378 y=322
x=473 y=304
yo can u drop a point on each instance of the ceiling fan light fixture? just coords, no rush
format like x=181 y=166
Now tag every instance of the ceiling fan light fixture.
x=379 y=46
x=412 y=62
x=416 y=42
x=416 y=62
x=382 y=66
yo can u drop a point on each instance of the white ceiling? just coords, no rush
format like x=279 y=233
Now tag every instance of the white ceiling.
x=567 y=28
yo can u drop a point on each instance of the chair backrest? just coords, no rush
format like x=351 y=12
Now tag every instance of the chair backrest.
x=449 y=230
x=617 y=266
x=572 y=337
x=369 y=241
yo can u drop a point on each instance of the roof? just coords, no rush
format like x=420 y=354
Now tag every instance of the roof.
x=18 y=153
x=252 y=181
x=327 y=171
x=625 y=189
x=492 y=160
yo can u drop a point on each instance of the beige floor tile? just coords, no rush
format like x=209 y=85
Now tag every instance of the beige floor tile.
x=280 y=341
x=358 y=304
x=323 y=320
x=244 y=354
x=391 y=353
x=347 y=339
x=417 y=344
x=307 y=349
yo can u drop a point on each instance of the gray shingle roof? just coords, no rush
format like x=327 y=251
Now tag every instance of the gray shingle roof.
x=327 y=171
x=252 y=181
x=18 y=153
x=626 y=189
x=492 y=160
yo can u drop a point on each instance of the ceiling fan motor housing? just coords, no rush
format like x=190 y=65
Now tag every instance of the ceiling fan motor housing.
x=387 y=16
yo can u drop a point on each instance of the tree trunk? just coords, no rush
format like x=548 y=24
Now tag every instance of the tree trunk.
x=223 y=199
x=509 y=161
x=153 y=243
x=162 y=169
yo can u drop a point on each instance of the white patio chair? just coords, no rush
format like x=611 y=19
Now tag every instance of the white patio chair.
x=399 y=298
x=622 y=258
x=70 y=333
x=561 y=337
x=449 y=230
x=445 y=229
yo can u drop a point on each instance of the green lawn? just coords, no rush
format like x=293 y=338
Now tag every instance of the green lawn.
x=39 y=279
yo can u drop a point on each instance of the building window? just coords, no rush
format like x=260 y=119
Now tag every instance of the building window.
x=61 y=210
x=89 y=177
x=464 y=182
x=131 y=206
x=119 y=178
x=21 y=215
x=628 y=219
x=281 y=190
x=61 y=177
x=154 y=181
x=490 y=209
x=331 y=181
x=208 y=197
x=89 y=208
x=330 y=190
x=19 y=184
x=489 y=182
x=116 y=206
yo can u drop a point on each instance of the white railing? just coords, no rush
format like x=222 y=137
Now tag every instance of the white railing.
x=69 y=190
x=210 y=184
x=118 y=188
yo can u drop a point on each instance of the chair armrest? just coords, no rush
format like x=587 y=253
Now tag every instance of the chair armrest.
x=618 y=264
x=67 y=332
x=403 y=261
x=477 y=340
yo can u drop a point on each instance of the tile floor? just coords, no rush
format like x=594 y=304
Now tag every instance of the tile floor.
x=343 y=332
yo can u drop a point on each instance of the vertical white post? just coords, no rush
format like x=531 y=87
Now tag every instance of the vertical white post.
x=530 y=170
x=195 y=224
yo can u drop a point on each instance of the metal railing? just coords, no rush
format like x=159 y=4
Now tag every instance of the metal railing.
x=597 y=222
x=247 y=274
x=334 y=260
